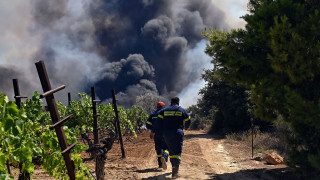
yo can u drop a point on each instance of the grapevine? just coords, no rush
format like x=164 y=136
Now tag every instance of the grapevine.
x=25 y=133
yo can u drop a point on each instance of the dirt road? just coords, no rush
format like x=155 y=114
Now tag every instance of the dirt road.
x=204 y=157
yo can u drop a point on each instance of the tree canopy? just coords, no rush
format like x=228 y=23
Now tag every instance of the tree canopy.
x=277 y=57
x=227 y=104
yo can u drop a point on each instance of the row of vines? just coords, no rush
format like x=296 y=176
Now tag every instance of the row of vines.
x=25 y=134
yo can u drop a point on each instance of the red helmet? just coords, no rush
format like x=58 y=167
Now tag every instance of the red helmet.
x=160 y=104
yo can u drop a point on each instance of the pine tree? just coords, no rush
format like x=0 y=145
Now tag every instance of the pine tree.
x=277 y=56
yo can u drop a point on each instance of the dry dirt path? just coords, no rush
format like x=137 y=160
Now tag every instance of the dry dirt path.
x=203 y=157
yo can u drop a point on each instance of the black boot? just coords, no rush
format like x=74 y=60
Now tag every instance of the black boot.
x=159 y=163
x=175 y=170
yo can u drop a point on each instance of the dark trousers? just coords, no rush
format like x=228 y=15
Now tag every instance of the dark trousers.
x=174 y=141
x=161 y=147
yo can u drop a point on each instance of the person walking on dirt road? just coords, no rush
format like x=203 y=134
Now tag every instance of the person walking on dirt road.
x=174 y=119
x=156 y=133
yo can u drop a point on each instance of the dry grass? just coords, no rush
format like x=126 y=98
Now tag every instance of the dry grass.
x=263 y=142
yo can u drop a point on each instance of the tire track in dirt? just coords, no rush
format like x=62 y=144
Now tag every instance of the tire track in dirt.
x=217 y=157
x=223 y=165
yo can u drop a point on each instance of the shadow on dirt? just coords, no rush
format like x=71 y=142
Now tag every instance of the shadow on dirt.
x=252 y=174
x=148 y=170
x=161 y=176
x=206 y=136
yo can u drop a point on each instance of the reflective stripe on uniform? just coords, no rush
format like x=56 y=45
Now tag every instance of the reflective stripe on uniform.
x=160 y=116
x=166 y=151
x=155 y=117
x=187 y=119
x=148 y=122
x=175 y=156
x=159 y=155
x=172 y=113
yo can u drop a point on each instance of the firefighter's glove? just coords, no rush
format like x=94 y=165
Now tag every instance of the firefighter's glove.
x=151 y=135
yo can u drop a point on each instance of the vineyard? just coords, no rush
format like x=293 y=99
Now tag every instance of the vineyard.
x=247 y=70
x=27 y=136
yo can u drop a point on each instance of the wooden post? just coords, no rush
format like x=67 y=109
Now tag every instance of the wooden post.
x=16 y=92
x=52 y=106
x=100 y=158
x=95 y=121
x=17 y=97
x=118 y=122
x=252 y=126
x=69 y=98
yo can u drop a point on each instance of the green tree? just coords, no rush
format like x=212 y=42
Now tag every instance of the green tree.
x=277 y=57
x=226 y=104
x=198 y=120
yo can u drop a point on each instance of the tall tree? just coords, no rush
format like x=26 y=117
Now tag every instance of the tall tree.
x=277 y=56
x=226 y=103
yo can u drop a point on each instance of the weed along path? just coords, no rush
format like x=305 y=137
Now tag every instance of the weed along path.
x=204 y=157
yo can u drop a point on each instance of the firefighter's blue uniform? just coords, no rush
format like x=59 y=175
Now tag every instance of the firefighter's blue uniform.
x=156 y=126
x=174 y=119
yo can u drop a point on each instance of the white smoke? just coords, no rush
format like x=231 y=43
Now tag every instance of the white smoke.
x=233 y=10
x=198 y=60
x=17 y=46
x=64 y=41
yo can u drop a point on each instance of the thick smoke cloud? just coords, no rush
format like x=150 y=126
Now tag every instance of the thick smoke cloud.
x=135 y=47
x=127 y=74
x=161 y=31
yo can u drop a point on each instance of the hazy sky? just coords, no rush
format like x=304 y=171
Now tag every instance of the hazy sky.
x=136 y=46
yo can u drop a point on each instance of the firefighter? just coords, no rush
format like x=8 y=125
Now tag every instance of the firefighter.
x=156 y=133
x=174 y=119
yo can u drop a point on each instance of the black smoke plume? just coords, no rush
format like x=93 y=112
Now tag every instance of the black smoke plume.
x=133 y=46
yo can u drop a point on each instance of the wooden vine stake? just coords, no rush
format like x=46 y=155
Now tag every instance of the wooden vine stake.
x=114 y=102
x=52 y=107
x=97 y=151
x=99 y=157
x=23 y=175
